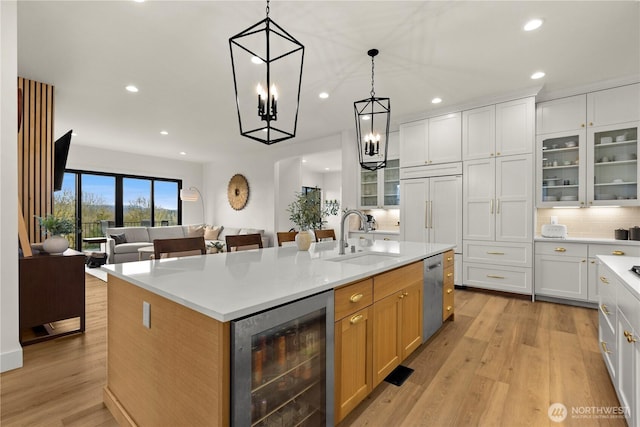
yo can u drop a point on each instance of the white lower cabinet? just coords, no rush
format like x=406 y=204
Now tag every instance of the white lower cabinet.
x=570 y=270
x=619 y=334
x=500 y=266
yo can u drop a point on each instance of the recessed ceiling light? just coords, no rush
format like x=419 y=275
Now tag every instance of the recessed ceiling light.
x=365 y=117
x=436 y=100
x=131 y=88
x=323 y=95
x=532 y=24
x=139 y=1
x=326 y=169
x=164 y=132
x=182 y=153
x=74 y=134
x=256 y=60
x=304 y=160
x=537 y=75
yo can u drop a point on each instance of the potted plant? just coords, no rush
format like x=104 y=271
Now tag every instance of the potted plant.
x=308 y=214
x=55 y=228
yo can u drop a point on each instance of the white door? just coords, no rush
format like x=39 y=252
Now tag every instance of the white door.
x=478 y=133
x=563 y=277
x=413 y=143
x=514 y=127
x=611 y=106
x=514 y=198
x=413 y=210
x=445 y=210
x=445 y=134
x=561 y=114
x=479 y=194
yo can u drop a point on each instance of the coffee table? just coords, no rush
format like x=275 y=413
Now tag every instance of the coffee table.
x=145 y=253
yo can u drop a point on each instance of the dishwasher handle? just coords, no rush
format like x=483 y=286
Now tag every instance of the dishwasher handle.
x=433 y=266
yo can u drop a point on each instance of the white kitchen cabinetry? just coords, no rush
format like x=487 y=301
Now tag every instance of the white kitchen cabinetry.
x=569 y=270
x=372 y=236
x=498 y=130
x=498 y=199
x=561 y=115
x=380 y=188
x=431 y=141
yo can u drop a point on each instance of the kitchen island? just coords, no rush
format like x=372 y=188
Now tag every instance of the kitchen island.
x=169 y=356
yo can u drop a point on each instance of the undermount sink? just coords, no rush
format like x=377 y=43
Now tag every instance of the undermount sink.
x=364 y=258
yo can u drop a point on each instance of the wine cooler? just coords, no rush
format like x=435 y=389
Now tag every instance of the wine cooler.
x=282 y=365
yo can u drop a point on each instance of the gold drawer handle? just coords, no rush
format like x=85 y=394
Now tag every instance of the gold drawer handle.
x=355 y=319
x=604 y=280
x=630 y=337
x=604 y=347
x=627 y=333
x=617 y=253
x=495 y=253
x=605 y=309
x=356 y=297
x=493 y=276
x=401 y=296
x=386 y=238
x=449 y=291
x=449 y=258
x=449 y=308
x=560 y=250
x=449 y=274
x=406 y=294
x=361 y=237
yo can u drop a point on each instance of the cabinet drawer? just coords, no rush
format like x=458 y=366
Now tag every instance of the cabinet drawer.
x=393 y=281
x=607 y=341
x=561 y=249
x=629 y=305
x=514 y=254
x=448 y=275
x=390 y=236
x=351 y=298
x=626 y=250
x=448 y=259
x=447 y=302
x=498 y=277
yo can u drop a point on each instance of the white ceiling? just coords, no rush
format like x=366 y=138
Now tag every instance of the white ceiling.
x=177 y=53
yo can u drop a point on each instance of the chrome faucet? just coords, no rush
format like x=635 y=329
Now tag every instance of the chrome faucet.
x=363 y=218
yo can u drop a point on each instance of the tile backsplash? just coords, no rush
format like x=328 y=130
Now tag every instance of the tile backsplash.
x=386 y=219
x=598 y=223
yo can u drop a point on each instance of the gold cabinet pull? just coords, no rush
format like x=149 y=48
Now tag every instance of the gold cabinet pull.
x=449 y=274
x=449 y=308
x=560 y=250
x=604 y=347
x=582 y=125
x=617 y=253
x=356 y=297
x=386 y=238
x=491 y=206
x=604 y=280
x=593 y=262
x=630 y=338
x=584 y=260
x=449 y=291
x=498 y=202
x=362 y=237
x=627 y=333
x=356 y=318
x=495 y=253
x=449 y=258
x=605 y=309
x=426 y=214
x=401 y=296
x=493 y=276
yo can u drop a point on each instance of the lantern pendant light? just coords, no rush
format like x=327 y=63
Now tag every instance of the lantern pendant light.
x=267 y=62
x=373 y=116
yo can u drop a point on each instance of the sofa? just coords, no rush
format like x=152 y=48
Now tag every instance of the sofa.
x=123 y=242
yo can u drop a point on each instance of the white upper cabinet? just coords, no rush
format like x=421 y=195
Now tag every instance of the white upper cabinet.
x=433 y=141
x=414 y=137
x=503 y=129
x=561 y=115
x=514 y=127
x=613 y=106
x=445 y=138
x=478 y=132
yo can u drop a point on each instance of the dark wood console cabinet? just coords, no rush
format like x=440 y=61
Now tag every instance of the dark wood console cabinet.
x=51 y=289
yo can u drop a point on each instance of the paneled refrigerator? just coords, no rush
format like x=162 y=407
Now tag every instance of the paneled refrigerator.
x=282 y=365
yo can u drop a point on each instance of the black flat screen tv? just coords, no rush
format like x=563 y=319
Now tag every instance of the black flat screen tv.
x=60 y=153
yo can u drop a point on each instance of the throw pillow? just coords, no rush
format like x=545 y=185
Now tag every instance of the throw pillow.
x=195 y=231
x=211 y=232
x=119 y=238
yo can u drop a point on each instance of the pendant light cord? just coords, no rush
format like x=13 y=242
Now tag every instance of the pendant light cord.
x=267 y=8
x=373 y=92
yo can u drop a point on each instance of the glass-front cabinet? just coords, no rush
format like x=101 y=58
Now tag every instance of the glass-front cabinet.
x=614 y=173
x=592 y=167
x=381 y=188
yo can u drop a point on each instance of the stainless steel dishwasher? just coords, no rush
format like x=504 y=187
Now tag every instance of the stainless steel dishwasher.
x=432 y=296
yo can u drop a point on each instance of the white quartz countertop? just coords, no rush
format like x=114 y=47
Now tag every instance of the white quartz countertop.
x=621 y=265
x=397 y=232
x=589 y=240
x=227 y=286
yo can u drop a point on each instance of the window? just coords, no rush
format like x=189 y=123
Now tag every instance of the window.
x=109 y=200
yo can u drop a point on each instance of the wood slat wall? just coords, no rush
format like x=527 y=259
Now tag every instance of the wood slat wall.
x=35 y=154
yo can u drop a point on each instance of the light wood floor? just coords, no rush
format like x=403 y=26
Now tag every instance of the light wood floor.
x=501 y=363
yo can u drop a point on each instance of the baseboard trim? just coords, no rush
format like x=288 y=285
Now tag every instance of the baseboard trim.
x=11 y=360
x=116 y=409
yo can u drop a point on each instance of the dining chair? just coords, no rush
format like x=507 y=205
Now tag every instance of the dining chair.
x=286 y=236
x=243 y=242
x=173 y=248
x=325 y=234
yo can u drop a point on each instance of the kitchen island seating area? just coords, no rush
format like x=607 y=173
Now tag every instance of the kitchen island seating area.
x=321 y=235
x=286 y=236
x=243 y=242
x=171 y=248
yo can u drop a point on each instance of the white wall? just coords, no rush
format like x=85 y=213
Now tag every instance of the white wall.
x=287 y=174
x=100 y=160
x=331 y=189
x=10 y=350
